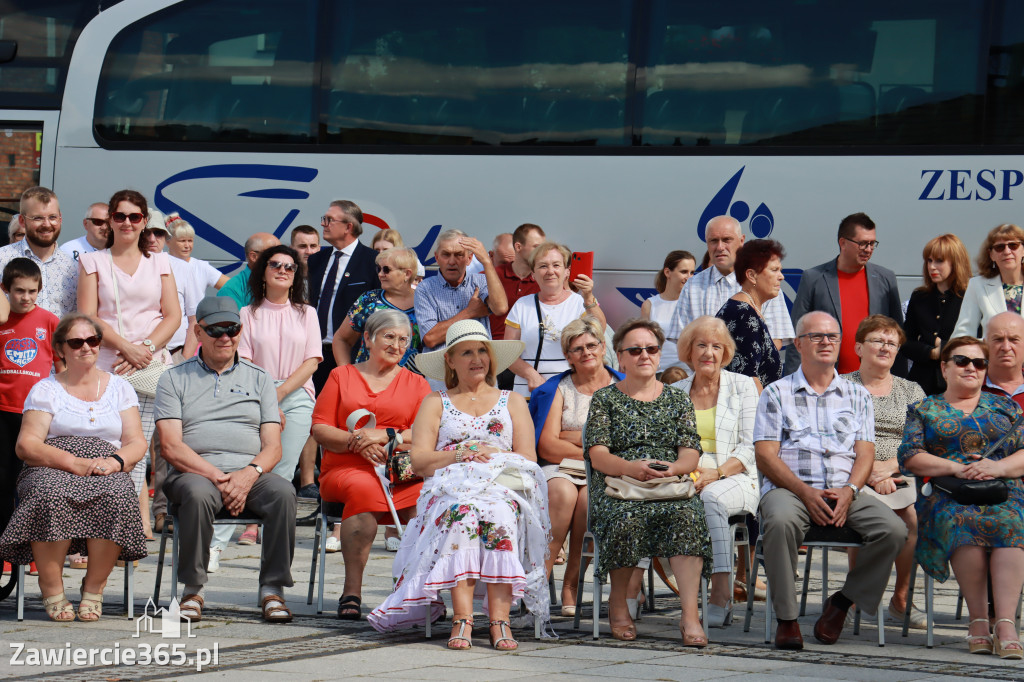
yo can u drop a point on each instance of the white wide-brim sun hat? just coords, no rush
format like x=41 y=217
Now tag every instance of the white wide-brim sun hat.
x=505 y=351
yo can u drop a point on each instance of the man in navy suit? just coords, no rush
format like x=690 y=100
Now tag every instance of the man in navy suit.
x=339 y=275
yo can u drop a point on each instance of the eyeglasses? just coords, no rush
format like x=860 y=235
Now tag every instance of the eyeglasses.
x=590 y=348
x=133 y=218
x=386 y=269
x=279 y=264
x=818 y=337
x=635 y=351
x=963 y=361
x=392 y=339
x=75 y=344
x=98 y=222
x=865 y=246
x=999 y=248
x=879 y=343
x=40 y=219
x=326 y=220
x=216 y=331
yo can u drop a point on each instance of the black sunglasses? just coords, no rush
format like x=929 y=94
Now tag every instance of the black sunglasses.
x=133 y=218
x=216 y=331
x=75 y=344
x=635 y=351
x=277 y=265
x=98 y=222
x=963 y=361
x=386 y=269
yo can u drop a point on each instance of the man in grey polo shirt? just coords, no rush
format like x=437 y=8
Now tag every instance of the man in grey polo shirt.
x=220 y=429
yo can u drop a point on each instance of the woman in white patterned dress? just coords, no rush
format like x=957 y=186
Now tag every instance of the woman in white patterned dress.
x=480 y=516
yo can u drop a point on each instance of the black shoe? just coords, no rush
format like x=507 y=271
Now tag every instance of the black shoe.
x=350 y=608
x=309 y=492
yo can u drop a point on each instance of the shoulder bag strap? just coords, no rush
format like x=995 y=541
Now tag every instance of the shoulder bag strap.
x=117 y=297
x=540 y=330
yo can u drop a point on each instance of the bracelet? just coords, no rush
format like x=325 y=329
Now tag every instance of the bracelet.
x=118 y=459
x=458 y=456
x=589 y=306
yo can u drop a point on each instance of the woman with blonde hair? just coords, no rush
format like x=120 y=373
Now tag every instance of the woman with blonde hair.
x=934 y=308
x=1000 y=281
x=387 y=239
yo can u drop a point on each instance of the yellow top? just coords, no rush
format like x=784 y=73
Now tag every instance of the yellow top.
x=706 y=429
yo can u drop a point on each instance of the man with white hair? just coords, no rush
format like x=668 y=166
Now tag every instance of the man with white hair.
x=706 y=292
x=15 y=230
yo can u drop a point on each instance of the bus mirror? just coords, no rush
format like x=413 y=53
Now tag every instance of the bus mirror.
x=8 y=50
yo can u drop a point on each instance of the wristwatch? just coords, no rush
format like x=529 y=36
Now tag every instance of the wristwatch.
x=259 y=469
x=855 y=489
x=148 y=343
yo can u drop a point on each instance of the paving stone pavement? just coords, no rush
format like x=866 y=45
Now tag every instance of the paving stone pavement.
x=320 y=647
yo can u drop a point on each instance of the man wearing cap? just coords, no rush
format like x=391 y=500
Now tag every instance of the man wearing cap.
x=220 y=429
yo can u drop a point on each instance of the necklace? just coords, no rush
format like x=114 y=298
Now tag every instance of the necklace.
x=753 y=303
x=67 y=387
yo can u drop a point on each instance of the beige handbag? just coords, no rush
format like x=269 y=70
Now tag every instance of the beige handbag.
x=573 y=467
x=666 y=488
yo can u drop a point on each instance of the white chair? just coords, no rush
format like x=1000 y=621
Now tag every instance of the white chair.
x=129 y=590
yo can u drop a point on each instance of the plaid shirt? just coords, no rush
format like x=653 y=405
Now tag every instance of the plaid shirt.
x=816 y=432
x=437 y=301
x=706 y=292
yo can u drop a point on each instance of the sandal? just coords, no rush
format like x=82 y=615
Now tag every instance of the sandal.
x=463 y=623
x=505 y=630
x=978 y=644
x=79 y=562
x=191 y=608
x=275 y=610
x=695 y=641
x=350 y=608
x=392 y=544
x=1007 y=649
x=91 y=607
x=58 y=606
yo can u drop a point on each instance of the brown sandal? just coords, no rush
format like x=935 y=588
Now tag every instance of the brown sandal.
x=58 y=605
x=269 y=611
x=197 y=609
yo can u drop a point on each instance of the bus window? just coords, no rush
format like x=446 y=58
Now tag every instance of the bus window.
x=225 y=71
x=45 y=31
x=1006 y=77
x=807 y=72
x=492 y=73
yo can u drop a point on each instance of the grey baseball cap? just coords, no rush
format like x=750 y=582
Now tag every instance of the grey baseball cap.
x=216 y=309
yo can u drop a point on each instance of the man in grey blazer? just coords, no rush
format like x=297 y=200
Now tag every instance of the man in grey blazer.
x=838 y=286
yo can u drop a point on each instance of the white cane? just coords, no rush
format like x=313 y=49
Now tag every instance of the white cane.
x=381 y=469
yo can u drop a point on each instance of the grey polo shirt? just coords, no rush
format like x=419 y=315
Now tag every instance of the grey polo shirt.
x=220 y=414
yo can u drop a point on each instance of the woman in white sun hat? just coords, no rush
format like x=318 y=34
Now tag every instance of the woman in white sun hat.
x=481 y=509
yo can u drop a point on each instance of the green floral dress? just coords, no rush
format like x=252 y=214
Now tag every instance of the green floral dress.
x=626 y=530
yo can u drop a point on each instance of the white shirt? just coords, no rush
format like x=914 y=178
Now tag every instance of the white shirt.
x=346 y=254
x=182 y=275
x=706 y=292
x=76 y=247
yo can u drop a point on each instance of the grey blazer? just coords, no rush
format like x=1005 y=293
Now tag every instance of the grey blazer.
x=819 y=290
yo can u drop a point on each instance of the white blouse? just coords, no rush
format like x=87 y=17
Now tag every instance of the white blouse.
x=75 y=417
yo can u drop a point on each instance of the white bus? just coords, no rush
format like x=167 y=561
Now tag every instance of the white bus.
x=620 y=126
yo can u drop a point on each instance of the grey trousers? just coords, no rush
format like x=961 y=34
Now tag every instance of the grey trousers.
x=784 y=522
x=197 y=499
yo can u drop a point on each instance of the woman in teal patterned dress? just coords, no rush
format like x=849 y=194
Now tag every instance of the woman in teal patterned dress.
x=632 y=424
x=945 y=436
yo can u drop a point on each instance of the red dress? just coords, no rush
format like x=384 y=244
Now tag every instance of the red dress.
x=347 y=477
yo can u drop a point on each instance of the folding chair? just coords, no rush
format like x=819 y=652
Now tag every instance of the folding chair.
x=329 y=512
x=222 y=518
x=129 y=590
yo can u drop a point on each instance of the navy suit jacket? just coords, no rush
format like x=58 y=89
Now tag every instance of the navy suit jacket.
x=359 y=277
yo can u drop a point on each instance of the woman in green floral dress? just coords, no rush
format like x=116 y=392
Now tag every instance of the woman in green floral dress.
x=632 y=424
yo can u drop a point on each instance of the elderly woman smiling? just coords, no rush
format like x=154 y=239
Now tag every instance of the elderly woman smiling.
x=725 y=404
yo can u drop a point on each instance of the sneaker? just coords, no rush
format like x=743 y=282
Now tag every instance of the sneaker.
x=309 y=492
x=333 y=545
x=249 y=537
x=32 y=570
x=918 y=619
x=214 y=564
x=7 y=568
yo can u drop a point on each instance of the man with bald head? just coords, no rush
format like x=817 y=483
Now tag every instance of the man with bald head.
x=707 y=291
x=814 y=442
x=1005 y=338
x=96 y=230
x=849 y=288
x=238 y=286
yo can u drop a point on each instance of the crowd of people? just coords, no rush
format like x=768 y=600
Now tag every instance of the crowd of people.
x=487 y=409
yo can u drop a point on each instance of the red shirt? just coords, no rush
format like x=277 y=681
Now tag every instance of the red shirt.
x=27 y=355
x=853 y=303
x=1017 y=396
x=515 y=289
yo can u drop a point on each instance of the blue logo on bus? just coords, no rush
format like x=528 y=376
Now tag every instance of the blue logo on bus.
x=762 y=222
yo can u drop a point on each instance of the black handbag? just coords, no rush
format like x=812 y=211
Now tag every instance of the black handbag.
x=963 y=491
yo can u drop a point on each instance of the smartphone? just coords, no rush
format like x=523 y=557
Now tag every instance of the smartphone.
x=581 y=263
x=658 y=466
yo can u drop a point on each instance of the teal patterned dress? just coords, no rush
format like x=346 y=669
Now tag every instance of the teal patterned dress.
x=367 y=305
x=936 y=427
x=626 y=530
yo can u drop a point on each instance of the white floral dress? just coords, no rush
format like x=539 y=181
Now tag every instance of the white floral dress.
x=471 y=525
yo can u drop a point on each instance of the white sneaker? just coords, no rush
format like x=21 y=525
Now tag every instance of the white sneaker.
x=333 y=545
x=214 y=564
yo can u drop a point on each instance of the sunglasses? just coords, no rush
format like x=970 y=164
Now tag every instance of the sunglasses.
x=1012 y=246
x=133 y=218
x=385 y=269
x=963 y=361
x=98 y=222
x=216 y=331
x=75 y=344
x=278 y=264
x=635 y=351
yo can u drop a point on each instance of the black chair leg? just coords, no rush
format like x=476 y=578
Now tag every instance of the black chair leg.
x=160 y=565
